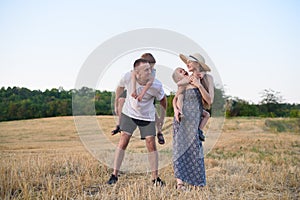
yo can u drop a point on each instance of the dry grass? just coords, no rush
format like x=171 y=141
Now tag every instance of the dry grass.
x=45 y=159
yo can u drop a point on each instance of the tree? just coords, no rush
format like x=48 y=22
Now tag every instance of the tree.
x=238 y=107
x=270 y=103
x=22 y=103
x=170 y=110
x=218 y=106
x=269 y=96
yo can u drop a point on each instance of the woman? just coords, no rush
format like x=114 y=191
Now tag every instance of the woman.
x=206 y=86
x=188 y=158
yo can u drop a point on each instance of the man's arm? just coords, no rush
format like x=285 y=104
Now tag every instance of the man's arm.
x=119 y=91
x=161 y=119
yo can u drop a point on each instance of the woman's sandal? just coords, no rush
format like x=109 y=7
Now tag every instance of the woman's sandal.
x=160 y=138
x=180 y=186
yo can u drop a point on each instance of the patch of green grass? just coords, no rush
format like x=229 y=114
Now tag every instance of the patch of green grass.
x=262 y=153
x=283 y=125
x=221 y=154
x=295 y=144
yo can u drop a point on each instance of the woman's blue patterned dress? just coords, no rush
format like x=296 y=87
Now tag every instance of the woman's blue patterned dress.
x=188 y=158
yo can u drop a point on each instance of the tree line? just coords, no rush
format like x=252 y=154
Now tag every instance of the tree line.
x=21 y=103
x=271 y=105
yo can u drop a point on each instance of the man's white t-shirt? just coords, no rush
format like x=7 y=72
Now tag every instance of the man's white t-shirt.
x=144 y=109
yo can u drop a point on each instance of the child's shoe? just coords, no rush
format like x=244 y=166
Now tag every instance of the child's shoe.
x=201 y=135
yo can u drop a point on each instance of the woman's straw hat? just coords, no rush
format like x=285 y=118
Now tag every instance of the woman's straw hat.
x=196 y=57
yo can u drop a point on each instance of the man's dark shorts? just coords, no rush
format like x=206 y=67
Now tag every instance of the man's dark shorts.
x=128 y=124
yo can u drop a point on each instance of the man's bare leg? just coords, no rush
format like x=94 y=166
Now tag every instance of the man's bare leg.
x=120 y=151
x=152 y=155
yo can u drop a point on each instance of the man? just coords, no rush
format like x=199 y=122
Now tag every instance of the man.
x=120 y=101
x=139 y=114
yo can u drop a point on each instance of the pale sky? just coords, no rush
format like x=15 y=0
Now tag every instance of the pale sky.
x=255 y=45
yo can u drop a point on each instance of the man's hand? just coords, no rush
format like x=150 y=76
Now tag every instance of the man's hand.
x=119 y=91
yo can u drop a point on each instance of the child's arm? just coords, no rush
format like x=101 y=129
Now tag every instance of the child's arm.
x=133 y=84
x=181 y=87
x=147 y=86
x=176 y=111
x=183 y=82
x=179 y=102
x=176 y=104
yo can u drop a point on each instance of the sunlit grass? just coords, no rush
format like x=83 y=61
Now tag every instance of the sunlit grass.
x=44 y=159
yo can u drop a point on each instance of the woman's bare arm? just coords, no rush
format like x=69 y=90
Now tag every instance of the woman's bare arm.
x=205 y=94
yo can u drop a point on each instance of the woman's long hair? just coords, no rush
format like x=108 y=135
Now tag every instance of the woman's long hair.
x=205 y=83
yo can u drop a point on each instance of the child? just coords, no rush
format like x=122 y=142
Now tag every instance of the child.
x=181 y=78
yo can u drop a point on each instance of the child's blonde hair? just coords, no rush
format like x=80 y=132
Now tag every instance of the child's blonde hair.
x=175 y=75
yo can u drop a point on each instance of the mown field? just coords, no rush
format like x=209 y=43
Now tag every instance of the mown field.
x=254 y=158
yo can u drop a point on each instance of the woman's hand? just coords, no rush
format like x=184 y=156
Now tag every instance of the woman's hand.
x=200 y=74
x=195 y=81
